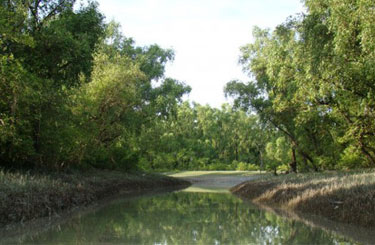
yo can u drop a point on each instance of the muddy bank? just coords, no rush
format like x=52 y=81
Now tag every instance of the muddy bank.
x=343 y=197
x=26 y=197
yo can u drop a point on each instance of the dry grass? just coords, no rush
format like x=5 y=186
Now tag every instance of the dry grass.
x=345 y=197
x=26 y=196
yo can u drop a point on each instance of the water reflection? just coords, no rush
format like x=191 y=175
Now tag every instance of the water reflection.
x=183 y=218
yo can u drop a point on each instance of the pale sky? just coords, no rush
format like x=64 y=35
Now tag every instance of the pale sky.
x=205 y=34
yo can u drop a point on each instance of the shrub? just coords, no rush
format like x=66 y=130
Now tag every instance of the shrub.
x=241 y=166
x=283 y=168
x=350 y=158
x=252 y=167
x=218 y=166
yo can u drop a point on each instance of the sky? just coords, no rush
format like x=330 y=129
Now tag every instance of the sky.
x=206 y=35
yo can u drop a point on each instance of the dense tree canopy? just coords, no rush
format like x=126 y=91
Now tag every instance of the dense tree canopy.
x=313 y=80
x=75 y=92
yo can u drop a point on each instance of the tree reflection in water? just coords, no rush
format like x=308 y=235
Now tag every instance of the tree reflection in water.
x=181 y=217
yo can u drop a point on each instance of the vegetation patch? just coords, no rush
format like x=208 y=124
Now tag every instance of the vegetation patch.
x=27 y=196
x=345 y=197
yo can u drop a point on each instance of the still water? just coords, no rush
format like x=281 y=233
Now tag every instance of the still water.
x=182 y=218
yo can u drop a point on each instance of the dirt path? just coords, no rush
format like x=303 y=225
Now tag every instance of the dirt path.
x=215 y=181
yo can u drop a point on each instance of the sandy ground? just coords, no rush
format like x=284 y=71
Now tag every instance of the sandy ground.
x=215 y=181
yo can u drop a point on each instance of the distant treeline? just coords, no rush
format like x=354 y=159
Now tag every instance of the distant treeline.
x=75 y=92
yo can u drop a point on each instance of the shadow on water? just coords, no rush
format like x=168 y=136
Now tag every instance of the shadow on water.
x=356 y=233
x=15 y=233
x=182 y=218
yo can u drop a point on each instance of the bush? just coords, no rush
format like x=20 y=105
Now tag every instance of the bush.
x=252 y=167
x=283 y=168
x=242 y=166
x=351 y=158
x=218 y=166
x=203 y=163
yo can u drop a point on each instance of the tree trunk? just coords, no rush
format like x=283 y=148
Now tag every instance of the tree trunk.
x=365 y=150
x=308 y=157
x=293 y=164
x=369 y=157
x=236 y=152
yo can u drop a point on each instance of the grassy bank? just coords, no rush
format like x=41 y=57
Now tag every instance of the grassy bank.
x=27 y=196
x=344 y=197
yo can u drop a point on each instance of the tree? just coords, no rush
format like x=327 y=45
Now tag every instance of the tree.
x=339 y=36
x=313 y=82
x=274 y=86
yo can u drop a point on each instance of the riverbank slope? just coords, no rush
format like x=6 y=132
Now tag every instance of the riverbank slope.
x=346 y=197
x=27 y=196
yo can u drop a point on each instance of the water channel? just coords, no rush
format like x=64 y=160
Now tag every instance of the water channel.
x=201 y=214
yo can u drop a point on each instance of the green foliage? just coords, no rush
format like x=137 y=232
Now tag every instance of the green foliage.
x=201 y=137
x=277 y=154
x=77 y=92
x=351 y=158
x=313 y=83
x=283 y=168
x=45 y=47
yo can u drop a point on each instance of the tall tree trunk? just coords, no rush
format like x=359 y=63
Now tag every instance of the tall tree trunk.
x=261 y=160
x=36 y=142
x=237 y=155
x=308 y=157
x=293 y=163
